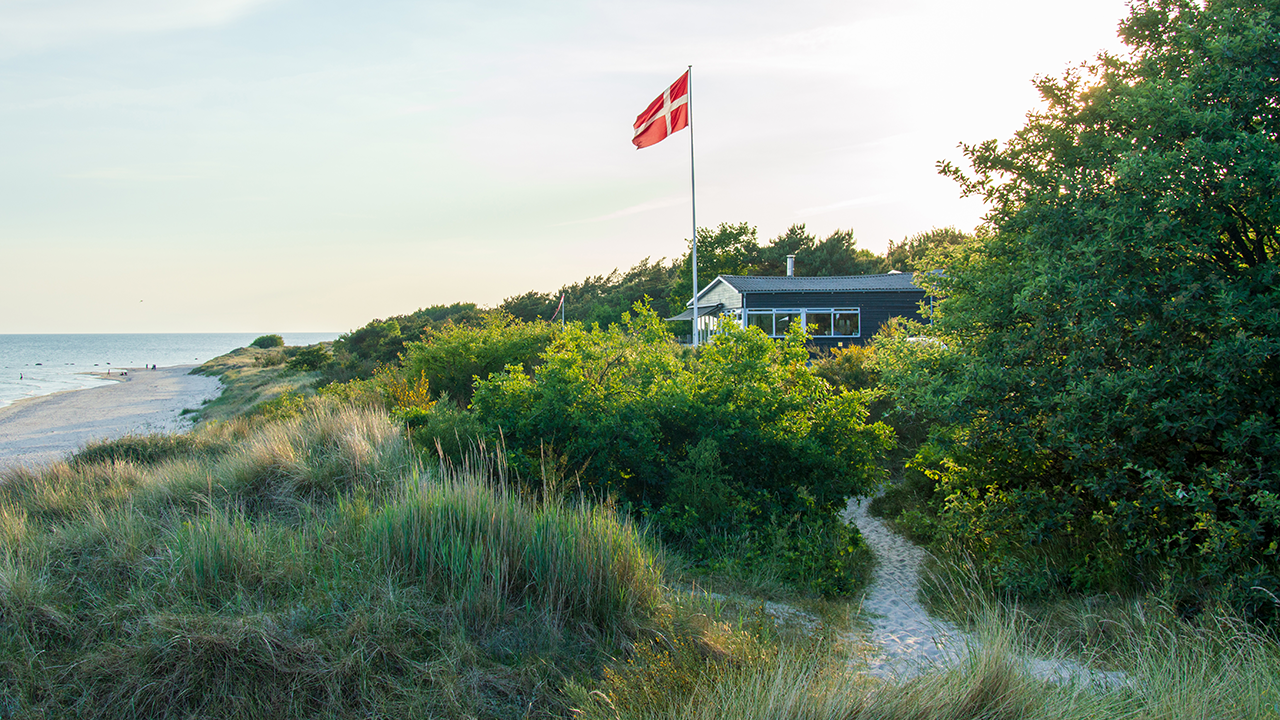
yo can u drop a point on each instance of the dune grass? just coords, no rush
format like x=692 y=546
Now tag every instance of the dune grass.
x=314 y=567
x=1215 y=668
x=306 y=568
x=250 y=377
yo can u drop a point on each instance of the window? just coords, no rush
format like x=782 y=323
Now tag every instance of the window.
x=820 y=322
x=847 y=323
x=762 y=320
x=782 y=320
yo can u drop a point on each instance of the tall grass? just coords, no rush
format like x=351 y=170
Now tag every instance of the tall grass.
x=300 y=568
x=1014 y=667
x=487 y=547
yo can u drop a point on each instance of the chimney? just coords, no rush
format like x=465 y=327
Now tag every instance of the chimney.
x=791 y=265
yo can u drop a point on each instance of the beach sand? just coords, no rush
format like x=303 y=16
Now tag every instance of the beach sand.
x=48 y=428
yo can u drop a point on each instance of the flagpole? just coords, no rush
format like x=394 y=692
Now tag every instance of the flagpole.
x=693 y=203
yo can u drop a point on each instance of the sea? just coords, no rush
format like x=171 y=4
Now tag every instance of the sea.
x=35 y=365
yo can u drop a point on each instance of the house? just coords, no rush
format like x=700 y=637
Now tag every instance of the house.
x=838 y=311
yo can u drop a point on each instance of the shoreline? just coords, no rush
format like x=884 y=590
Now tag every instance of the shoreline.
x=95 y=373
x=47 y=428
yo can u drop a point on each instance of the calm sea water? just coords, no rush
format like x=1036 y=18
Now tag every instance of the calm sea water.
x=32 y=365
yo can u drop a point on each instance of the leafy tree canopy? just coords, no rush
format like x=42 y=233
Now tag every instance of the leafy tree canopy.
x=1109 y=351
x=923 y=251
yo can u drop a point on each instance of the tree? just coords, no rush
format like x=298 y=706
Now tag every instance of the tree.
x=773 y=257
x=1109 y=360
x=838 y=255
x=920 y=251
x=451 y=358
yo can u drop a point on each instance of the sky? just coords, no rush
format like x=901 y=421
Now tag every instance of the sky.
x=310 y=165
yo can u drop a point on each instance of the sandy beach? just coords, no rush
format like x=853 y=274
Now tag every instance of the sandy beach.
x=45 y=429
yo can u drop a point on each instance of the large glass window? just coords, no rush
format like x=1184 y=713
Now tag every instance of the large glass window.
x=782 y=320
x=820 y=322
x=847 y=323
x=762 y=320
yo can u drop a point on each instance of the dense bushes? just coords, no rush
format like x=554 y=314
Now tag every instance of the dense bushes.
x=453 y=356
x=736 y=450
x=1108 y=354
x=358 y=353
x=266 y=342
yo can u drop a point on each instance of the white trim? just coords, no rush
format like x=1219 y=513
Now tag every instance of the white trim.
x=804 y=318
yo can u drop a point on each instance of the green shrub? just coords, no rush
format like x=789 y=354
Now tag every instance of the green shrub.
x=626 y=412
x=266 y=342
x=1105 y=355
x=849 y=368
x=453 y=356
x=271 y=359
x=446 y=429
x=310 y=359
x=282 y=407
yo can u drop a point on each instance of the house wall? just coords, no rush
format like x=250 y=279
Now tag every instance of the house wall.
x=875 y=308
x=721 y=293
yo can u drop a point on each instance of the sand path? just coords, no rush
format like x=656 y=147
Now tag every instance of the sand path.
x=47 y=428
x=906 y=639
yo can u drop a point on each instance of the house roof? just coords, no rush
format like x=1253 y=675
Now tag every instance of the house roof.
x=703 y=311
x=888 y=282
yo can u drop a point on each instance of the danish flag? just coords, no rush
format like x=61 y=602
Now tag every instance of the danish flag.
x=665 y=115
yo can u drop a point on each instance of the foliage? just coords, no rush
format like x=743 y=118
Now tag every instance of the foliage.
x=358 y=353
x=266 y=342
x=735 y=250
x=1107 y=356
x=281 y=407
x=730 y=248
x=447 y=430
x=603 y=298
x=922 y=252
x=452 y=357
x=848 y=368
x=309 y=359
x=621 y=410
x=403 y=394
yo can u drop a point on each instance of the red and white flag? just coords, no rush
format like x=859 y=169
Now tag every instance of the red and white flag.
x=667 y=114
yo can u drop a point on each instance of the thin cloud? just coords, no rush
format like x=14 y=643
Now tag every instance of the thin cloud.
x=854 y=202
x=128 y=174
x=633 y=210
x=27 y=25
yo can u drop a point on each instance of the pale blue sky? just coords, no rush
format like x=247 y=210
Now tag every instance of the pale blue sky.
x=290 y=165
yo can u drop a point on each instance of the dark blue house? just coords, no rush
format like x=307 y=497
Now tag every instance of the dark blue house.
x=837 y=311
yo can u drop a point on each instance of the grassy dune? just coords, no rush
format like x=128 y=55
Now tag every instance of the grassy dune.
x=251 y=376
x=301 y=568
x=313 y=566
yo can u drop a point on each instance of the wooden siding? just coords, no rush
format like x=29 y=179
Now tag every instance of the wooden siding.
x=721 y=293
x=875 y=308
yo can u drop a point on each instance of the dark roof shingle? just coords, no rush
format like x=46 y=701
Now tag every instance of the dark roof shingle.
x=841 y=283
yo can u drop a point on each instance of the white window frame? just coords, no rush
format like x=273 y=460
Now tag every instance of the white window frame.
x=744 y=318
